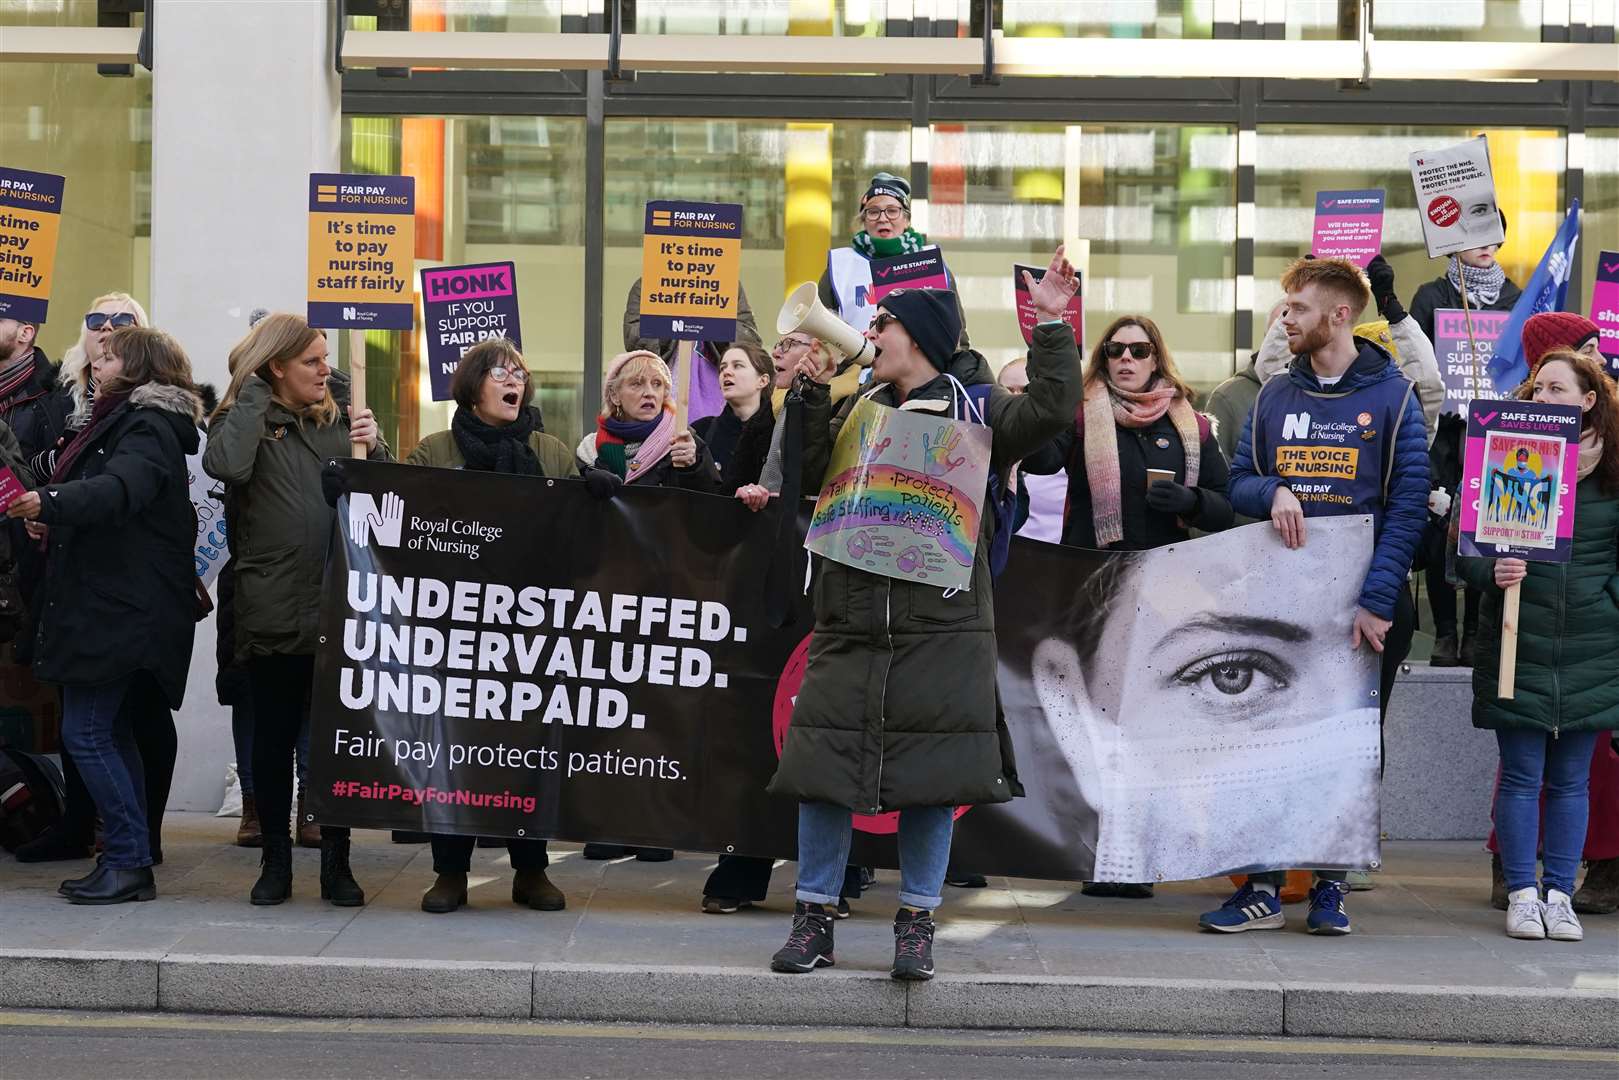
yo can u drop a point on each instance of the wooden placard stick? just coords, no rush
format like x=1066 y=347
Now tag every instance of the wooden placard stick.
x=1481 y=370
x=684 y=360
x=357 y=382
x=1506 y=676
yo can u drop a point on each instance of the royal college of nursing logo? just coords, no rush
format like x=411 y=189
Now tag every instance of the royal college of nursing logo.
x=369 y=520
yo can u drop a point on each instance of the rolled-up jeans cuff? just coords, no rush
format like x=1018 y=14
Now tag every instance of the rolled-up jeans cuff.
x=915 y=900
x=815 y=898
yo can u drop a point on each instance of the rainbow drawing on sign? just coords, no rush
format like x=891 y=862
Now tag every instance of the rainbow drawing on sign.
x=893 y=497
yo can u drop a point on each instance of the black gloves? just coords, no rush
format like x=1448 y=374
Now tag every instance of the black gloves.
x=1381 y=276
x=334 y=482
x=602 y=483
x=1169 y=497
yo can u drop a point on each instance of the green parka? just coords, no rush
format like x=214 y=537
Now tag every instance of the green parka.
x=440 y=452
x=280 y=521
x=898 y=707
x=1567 y=676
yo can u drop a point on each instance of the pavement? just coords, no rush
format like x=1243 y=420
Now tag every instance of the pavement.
x=1428 y=959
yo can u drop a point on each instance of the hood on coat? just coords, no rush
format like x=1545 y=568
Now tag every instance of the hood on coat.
x=1373 y=365
x=181 y=407
x=968 y=367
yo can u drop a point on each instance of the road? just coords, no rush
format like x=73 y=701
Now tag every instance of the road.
x=135 y=1046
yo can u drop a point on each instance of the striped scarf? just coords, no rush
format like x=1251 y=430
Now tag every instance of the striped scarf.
x=1108 y=408
x=908 y=242
x=1483 y=285
x=14 y=376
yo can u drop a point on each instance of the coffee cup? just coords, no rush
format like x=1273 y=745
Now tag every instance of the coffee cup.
x=1155 y=475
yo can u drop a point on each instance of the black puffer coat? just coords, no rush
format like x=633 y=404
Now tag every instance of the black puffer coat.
x=899 y=706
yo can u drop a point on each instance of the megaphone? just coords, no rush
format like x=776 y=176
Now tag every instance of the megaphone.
x=804 y=311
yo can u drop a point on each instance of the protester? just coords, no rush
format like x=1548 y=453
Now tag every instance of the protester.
x=786 y=354
x=1566 y=689
x=35 y=415
x=279 y=420
x=1488 y=289
x=925 y=735
x=884 y=231
x=739 y=436
x=1229 y=404
x=496 y=428
x=1040 y=499
x=706 y=399
x=1341 y=393
x=116 y=626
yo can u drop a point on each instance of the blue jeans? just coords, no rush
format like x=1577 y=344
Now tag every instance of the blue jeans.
x=825 y=833
x=1528 y=758
x=99 y=732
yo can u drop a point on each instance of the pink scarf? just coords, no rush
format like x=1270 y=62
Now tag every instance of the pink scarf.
x=1590 y=454
x=1107 y=408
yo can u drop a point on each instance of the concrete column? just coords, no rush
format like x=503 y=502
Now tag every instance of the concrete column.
x=245 y=104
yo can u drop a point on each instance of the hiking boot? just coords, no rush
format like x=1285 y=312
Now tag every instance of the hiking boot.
x=809 y=945
x=913 y=945
x=275 y=873
x=248 y=833
x=449 y=892
x=1498 y=884
x=1246 y=909
x=1445 y=652
x=1526 y=915
x=1327 y=916
x=533 y=888
x=1599 y=893
x=337 y=882
x=1561 y=922
x=308 y=832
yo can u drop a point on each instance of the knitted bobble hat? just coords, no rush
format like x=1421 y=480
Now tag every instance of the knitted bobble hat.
x=1555 y=329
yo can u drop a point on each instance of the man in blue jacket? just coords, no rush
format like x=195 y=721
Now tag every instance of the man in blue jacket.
x=1341 y=433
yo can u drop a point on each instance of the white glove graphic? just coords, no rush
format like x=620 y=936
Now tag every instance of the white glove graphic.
x=1439 y=502
x=367 y=522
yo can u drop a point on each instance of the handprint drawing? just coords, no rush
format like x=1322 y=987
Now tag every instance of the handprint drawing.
x=936 y=459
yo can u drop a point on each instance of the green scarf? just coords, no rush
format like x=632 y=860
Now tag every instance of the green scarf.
x=908 y=242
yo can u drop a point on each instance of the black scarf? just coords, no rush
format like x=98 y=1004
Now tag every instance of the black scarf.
x=502 y=449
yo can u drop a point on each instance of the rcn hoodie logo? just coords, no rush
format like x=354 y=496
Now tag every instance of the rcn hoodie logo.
x=1329 y=455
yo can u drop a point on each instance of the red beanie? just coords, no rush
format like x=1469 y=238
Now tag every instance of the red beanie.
x=1554 y=330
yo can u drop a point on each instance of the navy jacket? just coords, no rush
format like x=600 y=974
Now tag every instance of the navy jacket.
x=1401 y=509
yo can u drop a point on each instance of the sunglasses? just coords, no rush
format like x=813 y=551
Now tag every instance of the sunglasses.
x=96 y=320
x=500 y=373
x=883 y=320
x=1138 y=349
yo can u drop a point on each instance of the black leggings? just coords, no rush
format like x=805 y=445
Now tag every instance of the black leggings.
x=158 y=742
x=281 y=687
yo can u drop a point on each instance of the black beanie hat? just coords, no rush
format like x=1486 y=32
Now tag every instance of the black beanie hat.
x=932 y=319
x=890 y=185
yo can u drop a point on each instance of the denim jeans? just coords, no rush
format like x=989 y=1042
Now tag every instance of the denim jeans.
x=825 y=833
x=98 y=731
x=1528 y=758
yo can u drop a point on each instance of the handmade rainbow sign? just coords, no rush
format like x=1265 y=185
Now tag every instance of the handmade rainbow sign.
x=1518 y=479
x=903 y=495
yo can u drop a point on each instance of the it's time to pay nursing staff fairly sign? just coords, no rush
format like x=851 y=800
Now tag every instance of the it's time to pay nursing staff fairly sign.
x=691 y=258
x=30 y=218
x=362 y=251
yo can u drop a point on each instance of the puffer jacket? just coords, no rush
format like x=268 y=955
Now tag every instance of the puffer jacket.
x=119 y=594
x=1404 y=505
x=272 y=461
x=899 y=706
x=1567 y=678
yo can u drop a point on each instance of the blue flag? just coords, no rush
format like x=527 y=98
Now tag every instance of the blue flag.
x=1546 y=291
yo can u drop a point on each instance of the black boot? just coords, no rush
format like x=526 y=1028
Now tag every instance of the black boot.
x=73 y=885
x=449 y=892
x=1444 y=651
x=275 y=874
x=1464 y=655
x=913 y=945
x=809 y=945
x=117 y=887
x=337 y=882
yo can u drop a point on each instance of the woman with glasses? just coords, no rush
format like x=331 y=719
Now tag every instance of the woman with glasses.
x=108 y=313
x=496 y=428
x=884 y=230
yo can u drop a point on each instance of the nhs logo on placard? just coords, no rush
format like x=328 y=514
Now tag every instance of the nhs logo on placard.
x=369 y=520
x=350 y=313
x=1296 y=426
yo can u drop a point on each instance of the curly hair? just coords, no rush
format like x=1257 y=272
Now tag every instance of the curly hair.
x=1602 y=418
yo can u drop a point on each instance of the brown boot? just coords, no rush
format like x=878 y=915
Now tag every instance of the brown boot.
x=533 y=888
x=1599 y=895
x=448 y=893
x=308 y=831
x=1498 y=884
x=248 y=833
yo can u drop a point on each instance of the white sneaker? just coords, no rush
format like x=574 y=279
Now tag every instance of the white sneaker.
x=1526 y=915
x=1561 y=922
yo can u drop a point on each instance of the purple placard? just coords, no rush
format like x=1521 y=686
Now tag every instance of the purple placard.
x=919 y=270
x=1518 y=481
x=1027 y=317
x=1348 y=225
x=1466 y=376
x=461 y=306
x=1605 y=307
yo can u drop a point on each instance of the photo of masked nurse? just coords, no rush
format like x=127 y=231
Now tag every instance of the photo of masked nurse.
x=1208 y=709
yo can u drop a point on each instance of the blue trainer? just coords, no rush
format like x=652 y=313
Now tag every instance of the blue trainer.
x=1327 y=914
x=1248 y=909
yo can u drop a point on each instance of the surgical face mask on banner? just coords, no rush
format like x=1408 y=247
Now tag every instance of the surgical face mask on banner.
x=1217 y=718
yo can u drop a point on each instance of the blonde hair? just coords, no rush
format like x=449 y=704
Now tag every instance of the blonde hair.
x=75 y=374
x=622 y=366
x=275 y=338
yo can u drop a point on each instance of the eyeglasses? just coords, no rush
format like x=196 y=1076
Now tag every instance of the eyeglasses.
x=889 y=213
x=1138 y=349
x=790 y=343
x=96 y=320
x=501 y=373
x=883 y=319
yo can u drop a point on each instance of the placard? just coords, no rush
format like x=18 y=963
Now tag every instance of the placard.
x=30 y=220
x=1348 y=225
x=11 y=488
x=1464 y=373
x=1605 y=307
x=691 y=259
x=362 y=251
x=1456 y=198
x=917 y=270
x=212 y=550
x=1518 y=480
x=1027 y=317
x=461 y=306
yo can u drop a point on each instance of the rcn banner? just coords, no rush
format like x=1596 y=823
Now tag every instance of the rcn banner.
x=508 y=656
